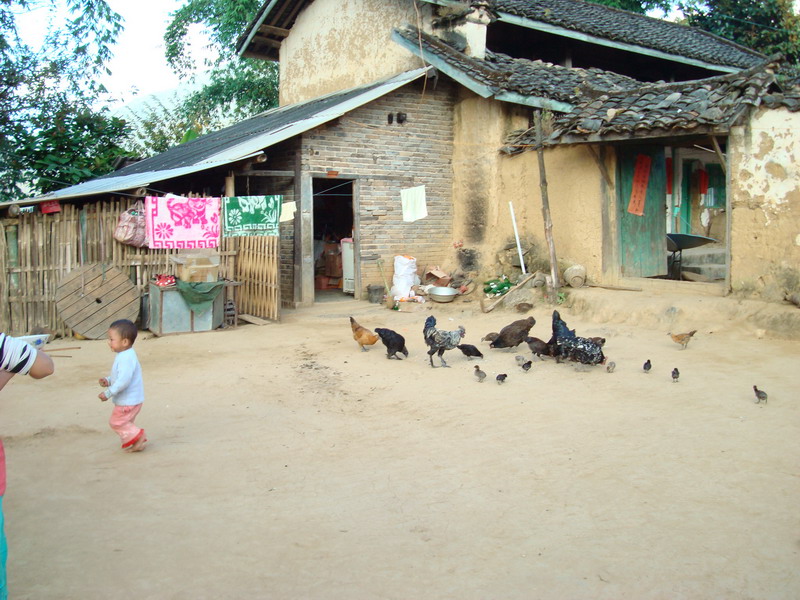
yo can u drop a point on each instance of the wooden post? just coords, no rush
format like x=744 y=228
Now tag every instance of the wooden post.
x=548 y=222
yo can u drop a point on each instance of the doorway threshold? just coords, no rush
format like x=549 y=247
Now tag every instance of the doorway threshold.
x=672 y=285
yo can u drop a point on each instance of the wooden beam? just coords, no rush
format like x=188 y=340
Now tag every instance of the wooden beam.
x=264 y=173
x=265 y=41
x=271 y=29
x=602 y=167
x=720 y=155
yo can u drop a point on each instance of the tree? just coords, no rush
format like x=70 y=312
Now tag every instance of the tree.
x=767 y=26
x=51 y=90
x=72 y=146
x=638 y=6
x=237 y=87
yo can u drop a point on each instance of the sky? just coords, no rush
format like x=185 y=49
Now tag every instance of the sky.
x=138 y=68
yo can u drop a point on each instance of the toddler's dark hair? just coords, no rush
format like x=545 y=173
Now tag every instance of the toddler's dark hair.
x=127 y=329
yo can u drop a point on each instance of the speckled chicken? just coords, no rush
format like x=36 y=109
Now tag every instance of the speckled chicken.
x=566 y=345
x=440 y=340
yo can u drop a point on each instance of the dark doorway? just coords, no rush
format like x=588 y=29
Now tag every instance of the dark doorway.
x=334 y=262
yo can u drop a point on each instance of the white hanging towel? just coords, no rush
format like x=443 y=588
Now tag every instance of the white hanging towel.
x=413 y=202
x=287 y=211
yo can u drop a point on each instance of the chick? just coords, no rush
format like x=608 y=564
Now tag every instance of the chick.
x=675 y=375
x=611 y=366
x=501 y=378
x=520 y=359
x=682 y=338
x=647 y=366
x=761 y=395
x=526 y=366
x=479 y=375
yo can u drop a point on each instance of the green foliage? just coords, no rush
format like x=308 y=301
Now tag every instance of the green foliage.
x=638 y=6
x=54 y=84
x=157 y=126
x=767 y=26
x=237 y=87
x=72 y=146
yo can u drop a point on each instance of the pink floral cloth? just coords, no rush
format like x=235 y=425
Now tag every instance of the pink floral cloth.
x=178 y=222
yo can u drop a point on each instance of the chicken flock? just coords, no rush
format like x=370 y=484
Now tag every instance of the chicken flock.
x=564 y=345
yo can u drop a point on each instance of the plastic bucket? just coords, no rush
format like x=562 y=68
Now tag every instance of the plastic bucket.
x=375 y=293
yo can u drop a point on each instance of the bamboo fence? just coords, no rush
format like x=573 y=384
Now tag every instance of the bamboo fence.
x=37 y=250
x=257 y=267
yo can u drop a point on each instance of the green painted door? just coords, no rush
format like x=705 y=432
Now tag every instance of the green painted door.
x=685 y=212
x=643 y=239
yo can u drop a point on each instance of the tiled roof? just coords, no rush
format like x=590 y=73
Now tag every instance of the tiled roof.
x=262 y=36
x=631 y=28
x=704 y=105
x=502 y=73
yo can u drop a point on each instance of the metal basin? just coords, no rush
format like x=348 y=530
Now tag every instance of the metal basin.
x=442 y=294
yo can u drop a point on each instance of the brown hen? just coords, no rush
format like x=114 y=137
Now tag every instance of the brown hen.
x=682 y=338
x=362 y=335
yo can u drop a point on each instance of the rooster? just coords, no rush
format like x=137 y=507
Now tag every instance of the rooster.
x=439 y=340
x=362 y=335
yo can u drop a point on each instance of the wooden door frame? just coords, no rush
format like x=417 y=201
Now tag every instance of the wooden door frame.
x=304 y=237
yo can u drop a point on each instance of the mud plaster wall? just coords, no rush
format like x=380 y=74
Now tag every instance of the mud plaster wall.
x=486 y=180
x=765 y=203
x=339 y=44
x=386 y=158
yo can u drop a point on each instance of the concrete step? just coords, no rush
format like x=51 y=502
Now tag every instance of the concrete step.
x=710 y=272
x=703 y=256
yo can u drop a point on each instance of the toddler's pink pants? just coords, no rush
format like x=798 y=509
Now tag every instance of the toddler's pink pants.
x=121 y=421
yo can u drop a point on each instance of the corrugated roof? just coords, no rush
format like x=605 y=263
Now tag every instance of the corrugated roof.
x=237 y=142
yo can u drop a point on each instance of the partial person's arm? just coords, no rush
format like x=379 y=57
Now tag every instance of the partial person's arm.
x=17 y=356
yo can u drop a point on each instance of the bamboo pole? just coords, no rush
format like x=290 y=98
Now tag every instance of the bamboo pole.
x=548 y=222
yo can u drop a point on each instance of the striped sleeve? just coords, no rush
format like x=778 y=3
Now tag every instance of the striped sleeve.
x=16 y=356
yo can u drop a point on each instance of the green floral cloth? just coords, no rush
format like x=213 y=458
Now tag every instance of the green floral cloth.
x=251 y=215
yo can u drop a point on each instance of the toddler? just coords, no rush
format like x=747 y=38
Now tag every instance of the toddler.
x=124 y=386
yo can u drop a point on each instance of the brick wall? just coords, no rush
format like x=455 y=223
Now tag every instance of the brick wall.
x=385 y=158
x=279 y=157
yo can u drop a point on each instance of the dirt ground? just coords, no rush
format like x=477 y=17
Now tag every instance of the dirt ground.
x=284 y=463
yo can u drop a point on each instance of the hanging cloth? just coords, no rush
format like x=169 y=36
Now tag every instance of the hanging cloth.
x=199 y=295
x=413 y=203
x=178 y=222
x=251 y=215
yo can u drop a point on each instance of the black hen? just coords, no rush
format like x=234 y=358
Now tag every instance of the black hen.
x=565 y=344
x=514 y=334
x=470 y=350
x=393 y=341
x=439 y=340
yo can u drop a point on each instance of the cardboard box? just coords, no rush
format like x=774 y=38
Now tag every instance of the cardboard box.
x=410 y=306
x=196 y=267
